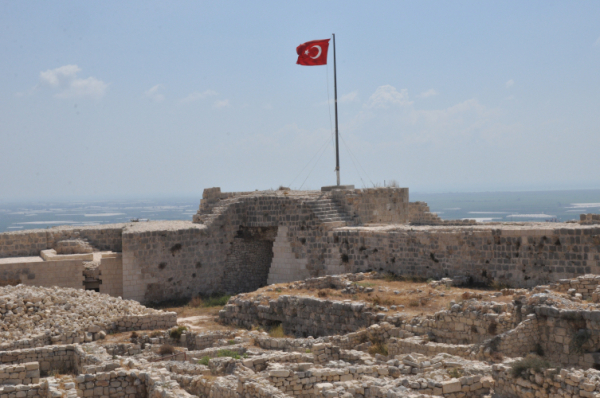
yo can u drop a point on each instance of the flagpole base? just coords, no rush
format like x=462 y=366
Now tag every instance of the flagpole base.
x=336 y=187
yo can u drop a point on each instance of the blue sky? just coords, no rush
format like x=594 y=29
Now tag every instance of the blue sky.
x=143 y=98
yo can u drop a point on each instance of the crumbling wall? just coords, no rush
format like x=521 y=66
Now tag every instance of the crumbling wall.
x=375 y=205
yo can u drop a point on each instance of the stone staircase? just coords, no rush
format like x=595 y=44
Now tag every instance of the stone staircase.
x=330 y=213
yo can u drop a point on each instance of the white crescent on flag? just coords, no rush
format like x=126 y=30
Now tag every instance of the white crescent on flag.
x=319 y=54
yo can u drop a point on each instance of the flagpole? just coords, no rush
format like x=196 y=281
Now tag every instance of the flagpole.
x=337 y=147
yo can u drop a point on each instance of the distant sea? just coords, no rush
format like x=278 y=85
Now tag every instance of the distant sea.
x=481 y=206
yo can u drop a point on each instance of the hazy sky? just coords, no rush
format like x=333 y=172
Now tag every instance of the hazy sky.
x=143 y=98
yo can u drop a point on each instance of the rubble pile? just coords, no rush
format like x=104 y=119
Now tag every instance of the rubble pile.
x=69 y=315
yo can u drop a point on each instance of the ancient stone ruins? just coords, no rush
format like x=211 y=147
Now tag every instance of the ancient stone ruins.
x=345 y=293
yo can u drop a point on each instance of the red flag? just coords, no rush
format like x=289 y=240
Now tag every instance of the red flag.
x=313 y=52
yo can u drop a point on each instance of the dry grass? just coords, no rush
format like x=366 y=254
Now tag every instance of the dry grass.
x=277 y=332
x=416 y=297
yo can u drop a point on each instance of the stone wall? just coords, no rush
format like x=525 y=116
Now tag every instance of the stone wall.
x=551 y=382
x=37 y=272
x=31 y=242
x=248 y=259
x=375 y=205
x=304 y=316
x=23 y=243
x=23 y=373
x=29 y=391
x=419 y=214
x=111 y=275
x=517 y=255
x=50 y=358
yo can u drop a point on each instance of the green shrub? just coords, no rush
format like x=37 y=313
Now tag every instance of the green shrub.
x=216 y=301
x=228 y=353
x=177 y=332
x=455 y=373
x=231 y=342
x=531 y=361
x=204 y=361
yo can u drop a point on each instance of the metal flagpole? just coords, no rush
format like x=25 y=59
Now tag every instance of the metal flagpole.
x=337 y=146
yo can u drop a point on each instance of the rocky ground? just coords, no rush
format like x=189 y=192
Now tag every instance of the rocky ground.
x=356 y=335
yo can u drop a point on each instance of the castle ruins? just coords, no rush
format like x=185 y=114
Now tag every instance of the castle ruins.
x=240 y=241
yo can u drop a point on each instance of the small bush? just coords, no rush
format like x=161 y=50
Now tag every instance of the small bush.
x=520 y=367
x=455 y=373
x=308 y=351
x=166 y=349
x=228 y=353
x=414 y=303
x=177 y=332
x=277 y=332
x=322 y=293
x=204 y=361
x=156 y=333
x=216 y=301
x=378 y=348
x=134 y=335
x=231 y=342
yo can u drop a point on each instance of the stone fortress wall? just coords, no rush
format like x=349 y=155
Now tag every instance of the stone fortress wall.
x=238 y=242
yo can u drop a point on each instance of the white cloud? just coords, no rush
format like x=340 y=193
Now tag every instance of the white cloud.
x=350 y=97
x=153 y=94
x=195 y=96
x=466 y=122
x=221 y=103
x=65 y=79
x=510 y=83
x=429 y=93
x=387 y=95
x=597 y=43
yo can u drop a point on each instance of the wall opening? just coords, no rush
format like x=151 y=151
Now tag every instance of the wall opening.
x=249 y=259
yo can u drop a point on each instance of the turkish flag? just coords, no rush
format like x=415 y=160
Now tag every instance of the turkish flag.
x=313 y=52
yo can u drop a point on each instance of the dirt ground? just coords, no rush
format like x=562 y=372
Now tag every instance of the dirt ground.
x=417 y=297
x=411 y=298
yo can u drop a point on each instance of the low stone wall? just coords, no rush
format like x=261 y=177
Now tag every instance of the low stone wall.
x=305 y=316
x=584 y=285
x=59 y=358
x=24 y=373
x=31 y=242
x=37 y=272
x=165 y=320
x=114 y=384
x=589 y=219
x=546 y=383
x=29 y=391
x=421 y=346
